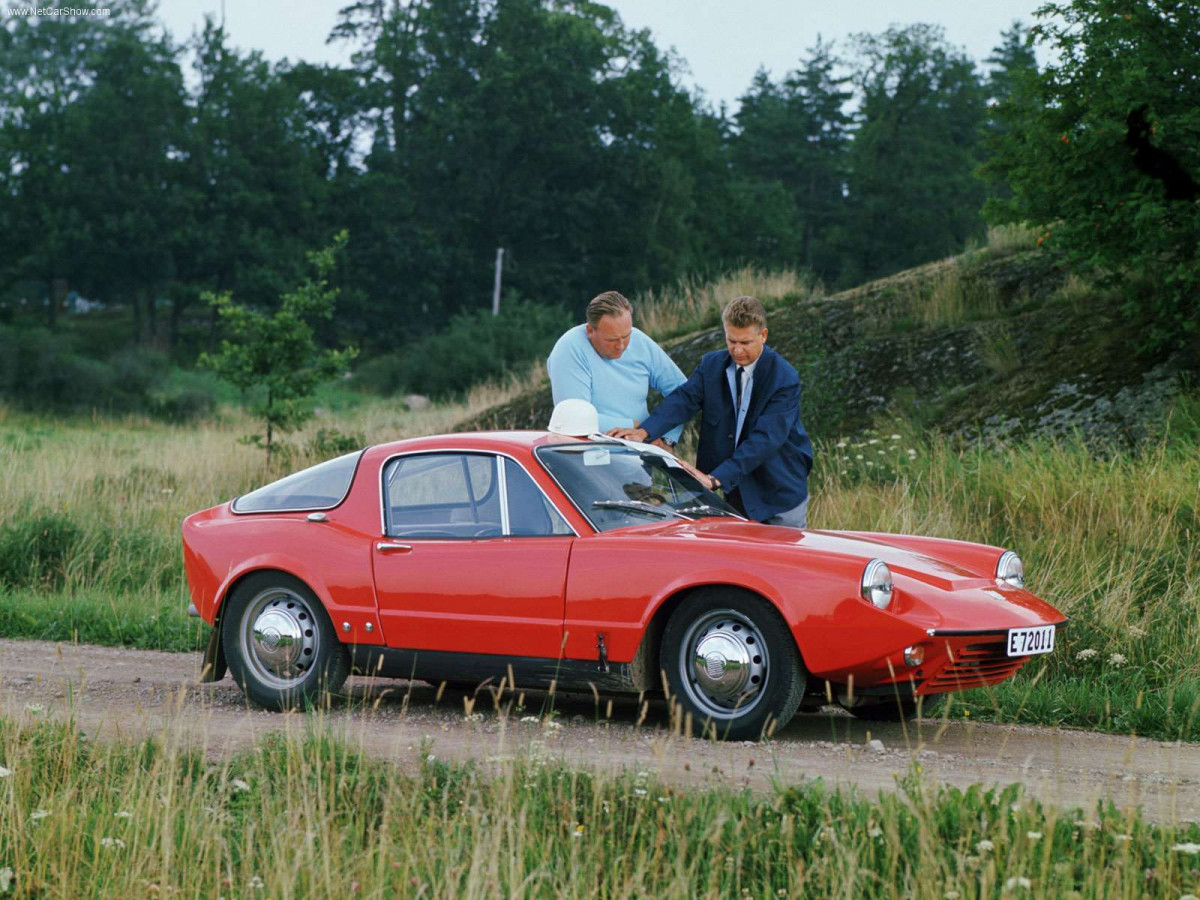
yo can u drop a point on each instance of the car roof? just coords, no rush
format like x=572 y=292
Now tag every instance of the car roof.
x=479 y=440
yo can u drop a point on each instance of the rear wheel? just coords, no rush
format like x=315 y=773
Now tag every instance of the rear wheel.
x=732 y=664
x=281 y=647
x=890 y=709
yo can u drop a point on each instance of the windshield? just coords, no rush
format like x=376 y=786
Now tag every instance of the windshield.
x=615 y=486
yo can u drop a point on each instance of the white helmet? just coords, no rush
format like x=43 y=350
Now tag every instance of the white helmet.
x=574 y=417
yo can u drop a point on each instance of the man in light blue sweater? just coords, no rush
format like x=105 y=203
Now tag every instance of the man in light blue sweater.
x=612 y=365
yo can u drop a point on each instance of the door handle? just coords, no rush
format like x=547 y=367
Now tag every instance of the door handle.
x=387 y=547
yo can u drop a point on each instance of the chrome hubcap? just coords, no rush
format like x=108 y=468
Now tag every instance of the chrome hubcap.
x=724 y=664
x=280 y=637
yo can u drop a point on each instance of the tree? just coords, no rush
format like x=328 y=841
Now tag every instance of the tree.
x=913 y=194
x=1099 y=144
x=273 y=357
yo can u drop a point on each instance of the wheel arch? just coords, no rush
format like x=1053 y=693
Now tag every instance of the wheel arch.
x=646 y=668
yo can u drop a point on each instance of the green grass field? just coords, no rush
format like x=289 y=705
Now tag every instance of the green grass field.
x=309 y=817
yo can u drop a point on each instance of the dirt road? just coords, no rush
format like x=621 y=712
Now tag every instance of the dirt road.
x=130 y=693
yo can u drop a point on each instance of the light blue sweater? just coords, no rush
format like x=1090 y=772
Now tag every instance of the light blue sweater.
x=616 y=387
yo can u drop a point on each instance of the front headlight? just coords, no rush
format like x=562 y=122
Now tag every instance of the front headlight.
x=877 y=584
x=1011 y=570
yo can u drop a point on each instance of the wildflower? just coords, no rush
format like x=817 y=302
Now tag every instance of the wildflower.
x=951 y=895
x=5 y=773
x=985 y=845
x=895 y=437
x=578 y=832
x=1187 y=848
x=34 y=709
x=111 y=842
x=880 y=452
x=1117 y=660
x=255 y=883
x=858 y=456
x=841 y=445
x=1019 y=881
x=430 y=758
x=1122 y=838
x=552 y=725
x=6 y=879
x=1087 y=654
x=37 y=815
x=875 y=832
x=664 y=799
x=123 y=814
x=239 y=785
x=911 y=451
x=641 y=792
x=529 y=718
x=873 y=441
x=1134 y=631
x=782 y=892
x=1033 y=835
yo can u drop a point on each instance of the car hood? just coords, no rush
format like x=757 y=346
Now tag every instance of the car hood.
x=936 y=572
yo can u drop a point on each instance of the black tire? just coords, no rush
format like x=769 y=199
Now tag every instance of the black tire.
x=294 y=656
x=892 y=709
x=741 y=702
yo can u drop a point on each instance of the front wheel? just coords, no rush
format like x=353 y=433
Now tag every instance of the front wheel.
x=732 y=664
x=281 y=647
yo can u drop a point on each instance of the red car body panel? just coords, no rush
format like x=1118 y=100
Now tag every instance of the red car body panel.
x=581 y=596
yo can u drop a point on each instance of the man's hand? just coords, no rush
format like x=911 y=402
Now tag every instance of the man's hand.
x=629 y=434
x=704 y=480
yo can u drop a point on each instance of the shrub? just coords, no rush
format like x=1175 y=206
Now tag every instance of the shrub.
x=34 y=548
x=475 y=348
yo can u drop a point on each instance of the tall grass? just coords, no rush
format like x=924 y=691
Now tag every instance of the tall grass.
x=691 y=304
x=307 y=816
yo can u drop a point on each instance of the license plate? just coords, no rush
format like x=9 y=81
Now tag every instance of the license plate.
x=1028 y=641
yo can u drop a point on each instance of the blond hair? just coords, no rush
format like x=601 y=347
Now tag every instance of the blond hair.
x=743 y=312
x=610 y=303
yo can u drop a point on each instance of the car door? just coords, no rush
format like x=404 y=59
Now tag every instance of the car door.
x=473 y=559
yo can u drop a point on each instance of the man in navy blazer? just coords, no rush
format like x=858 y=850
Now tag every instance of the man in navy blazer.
x=752 y=443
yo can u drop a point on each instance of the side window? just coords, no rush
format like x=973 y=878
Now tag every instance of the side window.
x=529 y=512
x=442 y=495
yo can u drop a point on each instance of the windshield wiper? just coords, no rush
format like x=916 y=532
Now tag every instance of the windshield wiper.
x=705 y=508
x=635 y=506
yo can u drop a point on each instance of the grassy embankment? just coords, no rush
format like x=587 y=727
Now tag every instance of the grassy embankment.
x=308 y=816
x=89 y=530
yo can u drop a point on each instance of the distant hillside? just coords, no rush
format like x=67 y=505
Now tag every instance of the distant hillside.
x=980 y=346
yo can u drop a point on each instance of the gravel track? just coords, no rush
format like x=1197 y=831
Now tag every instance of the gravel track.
x=118 y=693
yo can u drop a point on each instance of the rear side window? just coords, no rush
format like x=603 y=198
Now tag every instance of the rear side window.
x=323 y=486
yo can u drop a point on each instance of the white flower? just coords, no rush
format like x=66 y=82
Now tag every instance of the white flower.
x=123 y=814
x=641 y=792
x=239 y=785
x=984 y=846
x=1189 y=897
x=664 y=799
x=841 y=445
x=873 y=441
x=552 y=725
x=529 y=718
x=38 y=814
x=5 y=773
x=1187 y=848
x=110 y=843
x=1089 y=653
x=430 y=758
x=1134 y=631
x=1020 y=881
x=1122 y=838
x=1117 y=660
x=1033 y=835
x=256 y=883
x=577 y=831
x=875 y=832
x=880 y=452
x=6 y=879
x=858 y=456
x=895 y=437
x=951 y=895
x=34 y=709
x=911 y=452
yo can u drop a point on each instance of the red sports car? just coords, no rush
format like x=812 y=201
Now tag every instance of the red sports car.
x=590 y=563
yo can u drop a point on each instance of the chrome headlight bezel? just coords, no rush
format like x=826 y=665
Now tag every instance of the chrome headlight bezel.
x=877 y=585
x=1010 y=570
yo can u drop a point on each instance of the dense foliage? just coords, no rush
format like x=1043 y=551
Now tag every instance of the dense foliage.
x=1102 y=149
x=546 y=128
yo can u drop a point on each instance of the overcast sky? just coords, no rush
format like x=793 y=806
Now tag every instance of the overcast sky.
x=723 y=42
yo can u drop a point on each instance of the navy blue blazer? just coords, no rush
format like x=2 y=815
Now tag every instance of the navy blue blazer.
x=770 y=467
